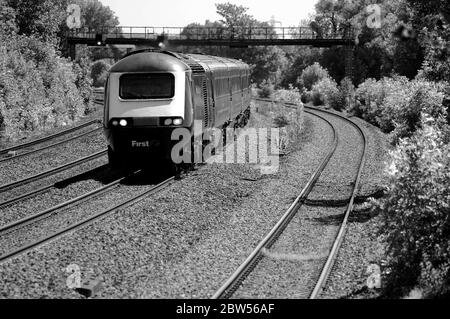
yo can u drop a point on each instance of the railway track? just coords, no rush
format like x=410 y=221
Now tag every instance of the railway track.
x=99 y=96
x=48 y=138
x=46 y=188
x=327 y=268
x=245 y=269
x=7 y=159
x=53 y=171
x=14 y=226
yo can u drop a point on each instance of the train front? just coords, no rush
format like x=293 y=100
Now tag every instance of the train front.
x=147 y=97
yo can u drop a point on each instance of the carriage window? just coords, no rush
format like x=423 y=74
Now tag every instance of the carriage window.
x=144 y=86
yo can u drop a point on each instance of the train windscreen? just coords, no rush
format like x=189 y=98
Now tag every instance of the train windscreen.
x=146 y=86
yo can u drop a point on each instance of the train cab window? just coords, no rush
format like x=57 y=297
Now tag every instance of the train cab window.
x=145 y=86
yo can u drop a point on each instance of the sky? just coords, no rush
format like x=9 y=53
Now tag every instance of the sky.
x=178 y=13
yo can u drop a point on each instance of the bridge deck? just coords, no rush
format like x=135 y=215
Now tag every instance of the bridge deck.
x=239 y=36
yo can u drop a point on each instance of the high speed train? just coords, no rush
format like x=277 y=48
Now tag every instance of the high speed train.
x=150 y=93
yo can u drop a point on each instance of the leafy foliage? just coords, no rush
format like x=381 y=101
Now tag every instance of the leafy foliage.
x=266 y=89
x=326 y=92
x=291 y=95
x=416 y=212
x=397 y=104
x=312 y=75
x=7 y=19
x=37 y=88
x=99 y=72
x=267 y=63
x=42 y=19
x=94 y=14
x=431 y=19
x=81 y=68
x=291 y=121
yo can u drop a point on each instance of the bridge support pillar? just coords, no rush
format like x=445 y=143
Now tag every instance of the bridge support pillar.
x=349 y=73
x=72 y=51
x=349 y=57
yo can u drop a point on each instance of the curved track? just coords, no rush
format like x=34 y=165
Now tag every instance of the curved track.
x=233 y=283
x=340 y=236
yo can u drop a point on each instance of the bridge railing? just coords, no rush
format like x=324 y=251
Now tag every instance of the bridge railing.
x=210 y=33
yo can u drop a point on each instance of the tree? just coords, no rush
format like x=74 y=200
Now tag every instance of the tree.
x=7 y=19
x=267 y=63
x=379 y=52
x=99 y=72
x=234 y=16
x=38 y=18
x=95 y=15
x=431 y=19
x=298 y=58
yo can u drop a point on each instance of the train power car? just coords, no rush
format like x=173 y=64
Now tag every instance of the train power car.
x=149 y=94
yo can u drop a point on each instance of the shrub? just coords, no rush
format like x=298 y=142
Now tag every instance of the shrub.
x=99 y=72
x=266 y=89
x=415 y=214
x=7 y=20
x=326 y=92
x=311 y=75
x=291 y=95
x=281 y=121
x=290 y=120
x=370 y=97
x=82 y=70
x=406 y=108
x=37 y=87
x=397 y=104
x=305 y=96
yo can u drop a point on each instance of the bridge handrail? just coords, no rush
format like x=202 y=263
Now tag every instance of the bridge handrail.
x=212 y=33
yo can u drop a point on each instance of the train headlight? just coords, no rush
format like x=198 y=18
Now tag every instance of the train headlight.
x=168 y=122
x=177 y=122
x=123 y=123
x=115 y=123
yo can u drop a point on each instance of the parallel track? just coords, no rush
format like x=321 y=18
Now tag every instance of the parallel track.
x=77 y=225
x=25 y=221
x=52 y=171
x=48 y=187
x=3 y=160
x=47 y=138
x=233 y=283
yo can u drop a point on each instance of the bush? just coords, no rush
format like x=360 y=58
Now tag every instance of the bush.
x=397 y=104
x=370 y=99
x=281 y=121
x=291 y=120
x=406 y=108
x=305 y=96
x=266 y=89
x=99 y=72
x=82 y=70
x=291 y=95
x=326 y=92
x=415 y=214
x=37 y=87
x=311 y=75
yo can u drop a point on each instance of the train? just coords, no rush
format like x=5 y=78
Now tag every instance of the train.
x=151 y=93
